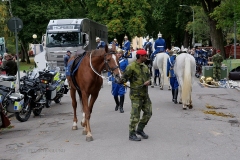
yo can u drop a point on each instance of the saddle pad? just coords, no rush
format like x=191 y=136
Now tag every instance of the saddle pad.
x=73 y=65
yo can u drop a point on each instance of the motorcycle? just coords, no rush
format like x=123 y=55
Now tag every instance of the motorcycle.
x=10 y=101
x=53 y=84
x=34 y=99
x=39 y=89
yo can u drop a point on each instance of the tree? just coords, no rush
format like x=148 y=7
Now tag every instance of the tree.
x=36 y=15
x=121 y=16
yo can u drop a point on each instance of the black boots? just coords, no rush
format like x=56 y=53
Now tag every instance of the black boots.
x=121 y=104
x=117 y=102
x=141 y=133
x=133 y=137
x=175 y=95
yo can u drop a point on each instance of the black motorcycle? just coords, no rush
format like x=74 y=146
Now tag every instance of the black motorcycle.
x=11 y=102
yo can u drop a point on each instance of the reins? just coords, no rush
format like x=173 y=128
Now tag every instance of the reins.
x=105 y=62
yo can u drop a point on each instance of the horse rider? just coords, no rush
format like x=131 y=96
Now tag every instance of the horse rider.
x=114 y=42
x=139 y=77
x=217 y=60
x=159 y=46
x=100 y=44
x=126 y=47
x=147 y=43
x=170 y=73
x=119 y=89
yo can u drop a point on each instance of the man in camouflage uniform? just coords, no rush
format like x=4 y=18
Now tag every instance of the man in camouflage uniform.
x=217 y=60
x=139 y=77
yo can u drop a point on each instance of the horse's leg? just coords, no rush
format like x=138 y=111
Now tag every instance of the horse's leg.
x=180 y=95
x=169 y=86
x=190 y=106
x=74 y=105
x=153 y=72
x=162 y=78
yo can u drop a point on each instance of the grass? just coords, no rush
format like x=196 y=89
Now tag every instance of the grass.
x=25 y=66
x=231 y=63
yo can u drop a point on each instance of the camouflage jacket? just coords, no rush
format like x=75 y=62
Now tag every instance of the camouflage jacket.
x=217 y=59
x=137 y=74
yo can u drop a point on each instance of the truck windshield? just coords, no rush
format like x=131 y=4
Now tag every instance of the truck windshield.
x=67 y=39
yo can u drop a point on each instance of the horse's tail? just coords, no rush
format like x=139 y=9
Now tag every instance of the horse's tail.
x=165 y=59
x=187 y=81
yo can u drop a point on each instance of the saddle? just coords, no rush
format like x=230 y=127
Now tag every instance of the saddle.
x=73 y=65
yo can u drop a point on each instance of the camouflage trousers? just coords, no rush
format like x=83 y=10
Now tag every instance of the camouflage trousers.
x=145 y=105
x=216 y=73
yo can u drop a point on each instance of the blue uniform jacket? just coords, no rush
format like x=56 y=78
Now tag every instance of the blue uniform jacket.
x=101 y=44
x=66 y=58
x=126 y=47
x=160 y=45
x=146 y=44
x=116 y=44
x=170 y=65
x=119 y=89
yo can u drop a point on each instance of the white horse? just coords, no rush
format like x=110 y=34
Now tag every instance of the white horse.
x=184 y=69
x=133 y=58
x=160 y=62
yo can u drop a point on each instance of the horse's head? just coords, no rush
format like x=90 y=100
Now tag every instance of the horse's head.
x=111 y=62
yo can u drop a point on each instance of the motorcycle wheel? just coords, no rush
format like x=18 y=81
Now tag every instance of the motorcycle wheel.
x=57 y=100
x=37 y=112
x=24 y=114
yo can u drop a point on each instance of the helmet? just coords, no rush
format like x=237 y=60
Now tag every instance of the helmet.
x=115 y=39
x=159 y=34
x=147 y=38
x=125 y=36
x=97 y=38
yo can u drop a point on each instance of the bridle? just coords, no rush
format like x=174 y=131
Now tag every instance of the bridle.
x=106 y=65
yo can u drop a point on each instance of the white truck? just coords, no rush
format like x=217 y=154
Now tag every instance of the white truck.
x=70 y=34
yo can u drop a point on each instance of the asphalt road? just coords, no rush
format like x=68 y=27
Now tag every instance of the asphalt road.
x=174 y=134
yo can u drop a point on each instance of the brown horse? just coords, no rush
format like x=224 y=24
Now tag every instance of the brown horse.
x=88 y=82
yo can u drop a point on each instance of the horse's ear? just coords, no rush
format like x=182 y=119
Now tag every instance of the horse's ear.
x=106 y=48
x=114 y=47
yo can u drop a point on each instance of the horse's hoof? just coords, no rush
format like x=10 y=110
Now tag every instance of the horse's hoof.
x=161 y=88
x=74 y=128
x=184 y=108
x=89 y=139
x=180 y=102
x=83 y=124
x=152 y=86
x=84 y=132
x=190 y=106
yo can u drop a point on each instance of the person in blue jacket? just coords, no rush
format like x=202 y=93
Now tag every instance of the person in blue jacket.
x=118 y=90
x=100 y=44
x=115 y=42
x=159 y=46
x=173 y=79
x=126 y=47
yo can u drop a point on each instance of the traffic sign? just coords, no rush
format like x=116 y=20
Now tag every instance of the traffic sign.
x=12 y=25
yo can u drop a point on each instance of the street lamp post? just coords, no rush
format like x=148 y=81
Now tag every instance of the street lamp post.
x=34 y=43
x=193 y=39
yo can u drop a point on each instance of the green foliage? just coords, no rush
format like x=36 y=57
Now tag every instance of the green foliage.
x=121 y=16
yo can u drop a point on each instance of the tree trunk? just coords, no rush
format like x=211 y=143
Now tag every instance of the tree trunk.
x=186 y=40
x=215 y=34
x=23 y=54
x=216 y=37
